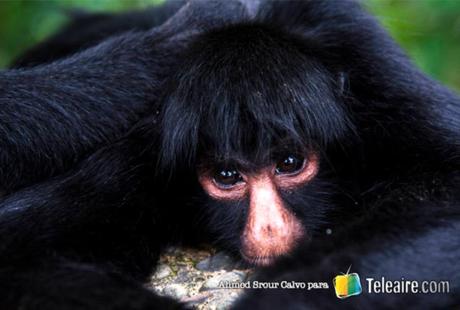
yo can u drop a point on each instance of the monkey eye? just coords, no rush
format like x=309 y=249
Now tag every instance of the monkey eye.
x=227 y=177
x=290 y=164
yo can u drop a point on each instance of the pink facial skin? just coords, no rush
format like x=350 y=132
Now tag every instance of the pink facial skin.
x=271 y=229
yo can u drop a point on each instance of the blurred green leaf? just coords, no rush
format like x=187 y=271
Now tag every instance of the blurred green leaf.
x=26 y=22
x=429 y=30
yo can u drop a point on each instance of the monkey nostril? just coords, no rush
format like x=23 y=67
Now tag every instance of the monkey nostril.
x=269 y=233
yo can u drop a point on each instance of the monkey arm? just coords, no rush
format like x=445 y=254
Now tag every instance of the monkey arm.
x=60 y=283
x=101 y=207
x=52 y=115
x=87 y=234
x=372 y=246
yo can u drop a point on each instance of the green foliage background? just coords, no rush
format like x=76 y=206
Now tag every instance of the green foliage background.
x=428 y=29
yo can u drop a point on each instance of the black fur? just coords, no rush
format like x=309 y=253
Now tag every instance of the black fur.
x=55 y=114
x=52 y=115
x=87 y=29
x=313 y=75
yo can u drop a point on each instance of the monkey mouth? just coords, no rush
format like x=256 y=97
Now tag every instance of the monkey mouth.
x=259 y=260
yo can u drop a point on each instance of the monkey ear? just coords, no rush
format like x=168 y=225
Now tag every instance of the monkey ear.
x=342 y=83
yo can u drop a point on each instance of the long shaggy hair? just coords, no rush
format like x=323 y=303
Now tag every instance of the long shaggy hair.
x=245 y=91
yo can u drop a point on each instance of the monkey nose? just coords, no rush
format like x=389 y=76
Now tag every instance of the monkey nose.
x=262 y=244
x=271 y=228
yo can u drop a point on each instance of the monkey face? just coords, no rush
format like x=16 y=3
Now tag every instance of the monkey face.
x=271 y=228
x=225 y=105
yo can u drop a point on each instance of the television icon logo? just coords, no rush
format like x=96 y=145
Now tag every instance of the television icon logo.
x=347 y=285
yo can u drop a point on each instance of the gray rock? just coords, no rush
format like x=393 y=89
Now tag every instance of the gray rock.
x=214 y=282
x=183 y=275
x=162 y=272
x=175 y=290
x=216 y=262
x=223 y=300
x=178 y=277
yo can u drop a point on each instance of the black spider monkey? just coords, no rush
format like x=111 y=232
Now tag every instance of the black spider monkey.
x=287 y=121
